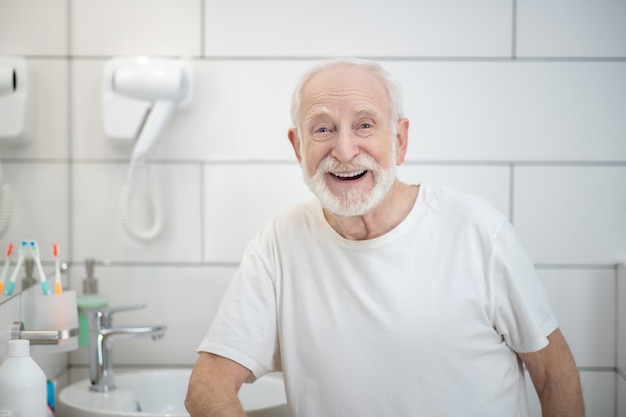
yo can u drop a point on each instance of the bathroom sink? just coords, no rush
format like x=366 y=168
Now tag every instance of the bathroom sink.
x=160 y=393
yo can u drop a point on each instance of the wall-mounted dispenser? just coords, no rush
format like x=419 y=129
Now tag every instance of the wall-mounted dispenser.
x=17 y=101
x=139 y=97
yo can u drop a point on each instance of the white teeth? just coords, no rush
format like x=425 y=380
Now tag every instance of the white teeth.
x=348 y=174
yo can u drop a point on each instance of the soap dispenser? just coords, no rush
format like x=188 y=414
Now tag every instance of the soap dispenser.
x=90 y=298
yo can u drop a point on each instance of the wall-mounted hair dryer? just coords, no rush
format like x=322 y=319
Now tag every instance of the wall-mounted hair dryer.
x=8 y=79
x=17 y=102
x=139 y=97
x=17 y=120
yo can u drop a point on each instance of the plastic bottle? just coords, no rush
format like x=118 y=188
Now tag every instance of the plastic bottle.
x=23 y=384
x=90 y=298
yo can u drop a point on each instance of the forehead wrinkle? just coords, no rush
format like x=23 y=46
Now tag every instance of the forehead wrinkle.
x=321 y=93
x=322 y=101
x=339 y=95
x=317 y=110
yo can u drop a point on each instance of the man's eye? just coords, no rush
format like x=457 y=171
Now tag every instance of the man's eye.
x=321 y=133
x=365 y=129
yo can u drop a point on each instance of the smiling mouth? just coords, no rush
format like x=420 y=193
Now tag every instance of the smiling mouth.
x=349 y=176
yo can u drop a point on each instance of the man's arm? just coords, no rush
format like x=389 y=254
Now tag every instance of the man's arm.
x=555 y=377
x=213 y=387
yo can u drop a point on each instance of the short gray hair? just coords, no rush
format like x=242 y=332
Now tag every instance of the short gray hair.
x=392 y=87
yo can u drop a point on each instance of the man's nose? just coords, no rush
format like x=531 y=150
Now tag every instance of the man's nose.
x=346 y=146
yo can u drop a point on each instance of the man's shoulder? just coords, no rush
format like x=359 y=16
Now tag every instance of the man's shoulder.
x=459 y=203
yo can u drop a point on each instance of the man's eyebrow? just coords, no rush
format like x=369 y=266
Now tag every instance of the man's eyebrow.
x=324 y=111
x=369 y=110
x=317 y=111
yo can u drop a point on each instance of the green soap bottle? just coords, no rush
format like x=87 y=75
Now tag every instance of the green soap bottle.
x=90 y=298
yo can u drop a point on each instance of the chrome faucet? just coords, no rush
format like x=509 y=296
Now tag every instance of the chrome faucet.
x=102 y=335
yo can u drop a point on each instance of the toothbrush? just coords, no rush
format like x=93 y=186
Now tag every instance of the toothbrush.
x=42 y=276
x=7 y=262
x=58 y=288
x=11 y=284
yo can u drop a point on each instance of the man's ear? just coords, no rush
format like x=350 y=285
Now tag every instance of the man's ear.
x=402 y=140
x=295 y=142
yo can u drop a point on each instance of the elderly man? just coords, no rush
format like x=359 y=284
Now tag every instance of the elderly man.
x=379 y=297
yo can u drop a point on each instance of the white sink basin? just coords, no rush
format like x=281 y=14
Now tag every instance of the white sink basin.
x=160 y=393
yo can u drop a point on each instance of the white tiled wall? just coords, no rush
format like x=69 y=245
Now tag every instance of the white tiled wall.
x=572 y=214
x=521 y=102
x=514 y=110
x=563 y=28
x=444 y=28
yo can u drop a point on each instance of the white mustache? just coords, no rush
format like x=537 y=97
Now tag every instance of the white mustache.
x=361 y=162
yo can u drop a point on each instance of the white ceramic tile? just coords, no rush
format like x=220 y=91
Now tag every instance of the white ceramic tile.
x=52 y=364
x=621 y=319
x=185 y=299
x=562 y=28
x=50 y=134
x=238 y=199
x=240 y=111
x=96 y=222
x=571 y=214
x=88 y=140
x=144 y=27
x=585 y=311
x=488 y=182
x=34 y=27
x=326 y=27
x=598 y=395
x=552 y=111
x=40 y=205
x=76 y=374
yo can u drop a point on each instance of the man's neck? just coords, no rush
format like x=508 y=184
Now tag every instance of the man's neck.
x=381 y=219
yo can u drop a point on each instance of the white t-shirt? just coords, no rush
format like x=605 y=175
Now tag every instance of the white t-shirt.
x=422 y=321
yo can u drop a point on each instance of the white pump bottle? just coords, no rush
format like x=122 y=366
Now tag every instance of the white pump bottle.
x=23 y=384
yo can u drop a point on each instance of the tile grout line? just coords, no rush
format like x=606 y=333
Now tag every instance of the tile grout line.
x=514 y=30
x=511 y=193
x=202 y=28
x=202 y=212
x=70 y=148
x=413 y=58
x=409 y=162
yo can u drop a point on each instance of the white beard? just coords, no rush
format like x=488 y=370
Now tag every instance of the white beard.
x=353 y=202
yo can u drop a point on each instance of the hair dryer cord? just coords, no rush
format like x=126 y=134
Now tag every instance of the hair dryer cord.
x=6 y=208
x=133 y=231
